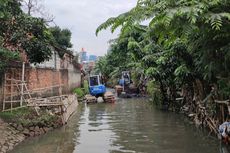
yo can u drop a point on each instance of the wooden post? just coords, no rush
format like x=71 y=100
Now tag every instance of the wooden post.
x=23 y=81
x=11 y=92
x=4 y=93
x=222 y=112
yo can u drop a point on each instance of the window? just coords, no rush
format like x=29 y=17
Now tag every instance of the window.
x=94 y=81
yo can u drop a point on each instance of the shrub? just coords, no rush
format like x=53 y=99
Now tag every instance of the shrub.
x=86 y=87
x=26 y=117
x=79 y=92
x=15 y=114
x=154 y=92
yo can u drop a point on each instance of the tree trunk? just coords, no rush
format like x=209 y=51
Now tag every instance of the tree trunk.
x=165 y=105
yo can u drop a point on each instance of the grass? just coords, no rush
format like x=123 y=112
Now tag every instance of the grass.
x=86 y=87
x=27 y=117
x=15 y=114
x=81 y=92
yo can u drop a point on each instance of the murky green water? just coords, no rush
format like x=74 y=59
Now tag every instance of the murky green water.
x=130 y=125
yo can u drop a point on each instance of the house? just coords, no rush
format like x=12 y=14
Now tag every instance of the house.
x=58 y=75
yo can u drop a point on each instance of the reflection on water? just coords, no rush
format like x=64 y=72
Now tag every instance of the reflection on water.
x=130 y=125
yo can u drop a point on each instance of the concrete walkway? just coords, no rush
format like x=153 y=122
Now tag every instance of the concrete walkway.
x=9 y=137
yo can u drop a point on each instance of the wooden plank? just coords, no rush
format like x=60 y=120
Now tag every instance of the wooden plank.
x=6 y=110
x=13 y=101
x=223 y=102
x=178 y=99
x=229 y=110
x=109 y=94
x=46 y=102
x=40 y=105
x=14 y=80
x=50 y=87
x=16 y=84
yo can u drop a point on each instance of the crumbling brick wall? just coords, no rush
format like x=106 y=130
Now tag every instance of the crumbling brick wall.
x=46 y=79
x=51 y=82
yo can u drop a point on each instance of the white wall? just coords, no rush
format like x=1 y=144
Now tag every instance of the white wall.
x=53 y=62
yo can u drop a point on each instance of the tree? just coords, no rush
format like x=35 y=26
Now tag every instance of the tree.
x=61 y=38
x=32 y=6
x=185 y=42
x=21 y=33
x=35 y=7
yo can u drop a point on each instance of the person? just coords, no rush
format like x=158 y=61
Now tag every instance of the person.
x=126 y=78
x=121 y=82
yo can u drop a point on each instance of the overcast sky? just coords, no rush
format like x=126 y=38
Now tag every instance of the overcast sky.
x=82 y=17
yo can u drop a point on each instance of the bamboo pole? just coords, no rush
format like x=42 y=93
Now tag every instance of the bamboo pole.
x=6 y=110
x=4 y=94
x=23 y=81
x=11 y=95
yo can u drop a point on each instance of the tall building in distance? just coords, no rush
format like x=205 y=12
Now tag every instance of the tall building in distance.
x=83 y=56
x=92 y=58
x=87 y=62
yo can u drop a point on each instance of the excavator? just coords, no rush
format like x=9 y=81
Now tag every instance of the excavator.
x=125 y=87
x=98 y=89
x=123 y=83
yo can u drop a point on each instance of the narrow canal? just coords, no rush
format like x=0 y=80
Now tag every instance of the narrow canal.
x=129 y=125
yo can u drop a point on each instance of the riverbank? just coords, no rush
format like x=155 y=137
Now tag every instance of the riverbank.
x=9 y=137
x=23 y=123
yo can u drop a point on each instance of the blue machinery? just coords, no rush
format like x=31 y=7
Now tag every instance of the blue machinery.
x=125 y=79
x=96 y=88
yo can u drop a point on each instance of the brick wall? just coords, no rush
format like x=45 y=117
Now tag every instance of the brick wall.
x=50 y=80
x=45 y=78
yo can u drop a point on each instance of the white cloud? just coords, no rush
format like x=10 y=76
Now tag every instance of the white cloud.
x=82 y=17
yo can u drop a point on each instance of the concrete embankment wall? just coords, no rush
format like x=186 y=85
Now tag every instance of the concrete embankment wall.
x=74 y=78
x=9 y=137
x=71 y=104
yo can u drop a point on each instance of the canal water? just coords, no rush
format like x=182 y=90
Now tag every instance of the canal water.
x=127 y=126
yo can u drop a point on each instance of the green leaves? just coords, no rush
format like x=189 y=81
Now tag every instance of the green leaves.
x=107 y=24
x=60 y=39
x=37 y=50
x=20 y=32
x=132 y=44
x=184 y=40
x=6 y=56
x=152 y=72
x=181 y=71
